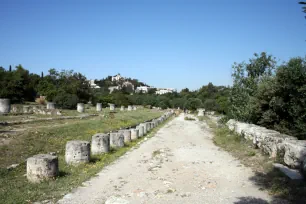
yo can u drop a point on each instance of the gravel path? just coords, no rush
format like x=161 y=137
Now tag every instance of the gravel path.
x=180 y=164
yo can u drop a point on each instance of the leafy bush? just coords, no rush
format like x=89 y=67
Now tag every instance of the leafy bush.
x=163 y=105
x=41 y=100
x=66 y=101
x=193 y=104
x=189 y=118
x=274 y=97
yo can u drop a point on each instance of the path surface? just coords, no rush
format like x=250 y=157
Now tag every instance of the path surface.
x=180 y=164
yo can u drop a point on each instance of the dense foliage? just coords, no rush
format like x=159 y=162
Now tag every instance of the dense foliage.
x=66 y=88
x=269 y=95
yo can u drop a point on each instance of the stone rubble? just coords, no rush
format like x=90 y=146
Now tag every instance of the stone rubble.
x=273 y=143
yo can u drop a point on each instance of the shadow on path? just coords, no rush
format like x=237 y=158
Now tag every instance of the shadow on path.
x=251 y=200
x=281 y=187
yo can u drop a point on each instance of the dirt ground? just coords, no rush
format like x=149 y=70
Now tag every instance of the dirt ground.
x=180 y=164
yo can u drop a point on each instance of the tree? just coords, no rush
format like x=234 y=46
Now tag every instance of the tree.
x=281 y=100
x=246 y=77
x=193 y=104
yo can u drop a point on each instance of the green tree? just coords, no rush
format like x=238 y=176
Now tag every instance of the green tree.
x=193 y=104
x=246 y=77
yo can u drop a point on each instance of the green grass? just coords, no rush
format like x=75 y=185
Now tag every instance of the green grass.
x=155 y=153
x=266 y=177
x=189 y=118
x=14 y=187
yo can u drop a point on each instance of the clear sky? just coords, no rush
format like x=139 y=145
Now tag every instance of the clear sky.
x=165 y=43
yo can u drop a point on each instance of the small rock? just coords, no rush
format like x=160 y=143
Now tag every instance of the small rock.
x=52 y=153
x=11 y=167
x=293 y=174
x=183 y=195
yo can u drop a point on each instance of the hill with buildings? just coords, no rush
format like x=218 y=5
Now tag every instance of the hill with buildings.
x=127 y=85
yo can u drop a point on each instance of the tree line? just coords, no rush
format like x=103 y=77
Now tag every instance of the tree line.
x=263 y=92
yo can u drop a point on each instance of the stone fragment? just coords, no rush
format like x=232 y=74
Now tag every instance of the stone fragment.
x=111 y=107
x=77 y=151
x=99 y=107
x=201 y=112
x=134 y=134
x=145 y=131
x=80 y=107
x=140 y=129
x=293 y=174
x=148 y=125
x=100 y=143
x=126 y=134
x=26 y=109
x=116 y=140
x=5 y=105
x=42 y=167
x=50 y=105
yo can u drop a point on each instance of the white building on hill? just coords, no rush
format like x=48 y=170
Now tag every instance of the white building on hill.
x=93 y=85
x=117 y=77
x=143 y=89
x=112 y=88
x=165 y=91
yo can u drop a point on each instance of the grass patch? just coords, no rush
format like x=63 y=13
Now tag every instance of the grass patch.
x=155 y=153
x=14 y=186
x=210 y=123
x=266 y=177
x=189 y=118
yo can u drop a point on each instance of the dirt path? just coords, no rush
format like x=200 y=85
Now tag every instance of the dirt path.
x=179 y=165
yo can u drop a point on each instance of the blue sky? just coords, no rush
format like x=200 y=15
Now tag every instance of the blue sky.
x=165 y=43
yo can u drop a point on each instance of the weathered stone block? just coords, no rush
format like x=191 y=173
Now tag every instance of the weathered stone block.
x=99 y=107
x=111 y=107
x=130 y=108
x=126 y=135
x=77 y=151
x=42 y=167
x=5 y=105
x=295 y=152
x=201 y=112
x=140 y=129
x=26 y=109
x=116 y=140
x=148 y=125
x=80 y=107
x=100 y=143
x=50 y=105
x=134 y=133
x=122 y=108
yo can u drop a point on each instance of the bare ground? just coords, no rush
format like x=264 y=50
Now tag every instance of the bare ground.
x=179 y=165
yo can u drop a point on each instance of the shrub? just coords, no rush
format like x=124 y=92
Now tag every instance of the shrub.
x=193 y=104
x=41 y=100
x=66 y=101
